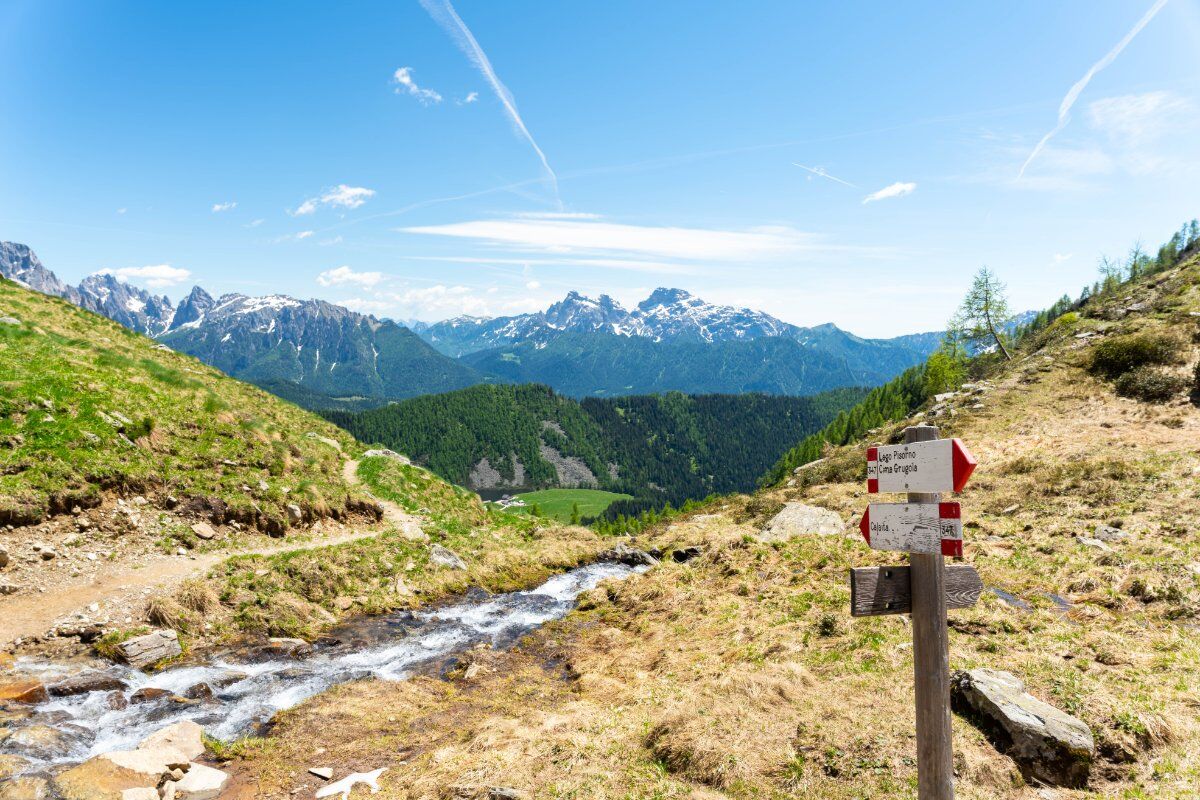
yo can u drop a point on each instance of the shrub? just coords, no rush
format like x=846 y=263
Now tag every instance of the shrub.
x=1150 y=384
x=1122 y=354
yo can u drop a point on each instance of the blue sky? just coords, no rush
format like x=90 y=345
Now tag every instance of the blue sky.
x=378 y=155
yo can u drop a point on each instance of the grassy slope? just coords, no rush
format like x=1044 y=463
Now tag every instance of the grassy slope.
x=70 y=379
x=300 y=593
x=559 y=503
x=741 y=674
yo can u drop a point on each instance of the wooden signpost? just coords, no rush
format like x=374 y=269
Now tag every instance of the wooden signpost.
x=928 y=530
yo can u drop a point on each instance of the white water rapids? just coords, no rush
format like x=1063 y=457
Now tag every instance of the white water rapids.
x=247 y=694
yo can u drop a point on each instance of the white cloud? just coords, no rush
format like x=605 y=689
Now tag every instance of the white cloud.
x=406 y=85
x=155 y=276
x=1064 y=108
x=444 y=14
x=583 y=236
x=1059 y=258
x=254 y=223
x=304 y=234
x=341 y=195
x=471 y=97
x=442 y=301
x=1138 y=118
x=122 y=210
x=345 y=275
x=228 y=205
x=895 y=190
x=533 y=285
x=327 y=242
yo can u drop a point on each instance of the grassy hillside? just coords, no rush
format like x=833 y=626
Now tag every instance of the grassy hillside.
x=740 y=674
x=89 y=407
x=661 y=448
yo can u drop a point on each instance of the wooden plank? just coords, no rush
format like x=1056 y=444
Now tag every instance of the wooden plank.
x=877 y=591
x=931 y=657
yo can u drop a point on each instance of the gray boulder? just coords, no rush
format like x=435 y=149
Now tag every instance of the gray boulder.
x=1047 y=744
x=445 y=557
x=630 y=556
x=799 y=519
x=143 y=651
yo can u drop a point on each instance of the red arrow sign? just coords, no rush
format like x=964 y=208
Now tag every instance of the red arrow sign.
x=941 y=465
x=914 y=527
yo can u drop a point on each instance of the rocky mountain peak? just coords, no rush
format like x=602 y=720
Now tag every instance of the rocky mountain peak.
x=663 y=296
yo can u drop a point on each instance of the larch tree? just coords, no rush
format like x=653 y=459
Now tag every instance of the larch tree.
x=984 y=315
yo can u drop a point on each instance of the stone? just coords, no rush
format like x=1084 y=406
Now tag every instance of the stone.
x=295 y=513
x=282 y=647
x=1048 y=745
x=799 y=519
x=86 y=682
x=3 y=557
x=10 y=765
x=186 y=737
x=1088 y=541
x=29 y=788
x=116 y=701
x=505 y=793
x=630 y=556
x=203 y=530
x=200 y=691
x=24 y=690
x=148 y=695
x=102 y=778
x=40 y=741
x=144 y=651
x=1109 y=533
x=445 y=557
x=9 y=588
x=141 y=793
x=324 y=773
x=392 y=454
x=201 y=783
x=167 y=790
x=685 y=554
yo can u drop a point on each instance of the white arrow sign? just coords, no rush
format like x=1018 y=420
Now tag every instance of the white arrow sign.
x=914 y=527
x=941 y=465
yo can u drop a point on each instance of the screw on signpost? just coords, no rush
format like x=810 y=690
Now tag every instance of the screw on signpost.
x=931 y=657
x=928 y=530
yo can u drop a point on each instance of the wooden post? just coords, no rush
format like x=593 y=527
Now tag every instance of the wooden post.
x=931 y=658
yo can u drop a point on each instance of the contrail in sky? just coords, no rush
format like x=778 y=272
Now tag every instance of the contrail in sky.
x=444 y=14
x=1064 y=109
x=820 y=171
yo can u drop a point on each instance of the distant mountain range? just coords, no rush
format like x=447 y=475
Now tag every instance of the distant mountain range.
x=324 y=356
x=672 y=340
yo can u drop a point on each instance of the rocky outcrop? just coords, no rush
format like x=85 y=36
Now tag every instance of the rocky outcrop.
x=485 y=476
x=24 y=690
x=86 y=682
x=1047 y=744
x=624 y=554
x=798 y=519
x=165 y=758
x=141 y=652
x=571 y=471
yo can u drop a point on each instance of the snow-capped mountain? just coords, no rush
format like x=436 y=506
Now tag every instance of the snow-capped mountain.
x=666 y=315
x=307 y=350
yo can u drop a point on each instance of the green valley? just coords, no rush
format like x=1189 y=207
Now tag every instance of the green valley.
x=568 y=505
x=659 y=449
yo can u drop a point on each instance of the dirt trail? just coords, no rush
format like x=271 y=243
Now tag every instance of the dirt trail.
x=34 y=614
x=122 y=591
x=406 y=523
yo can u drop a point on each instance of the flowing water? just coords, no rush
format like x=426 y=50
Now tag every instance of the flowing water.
x=389 y=647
